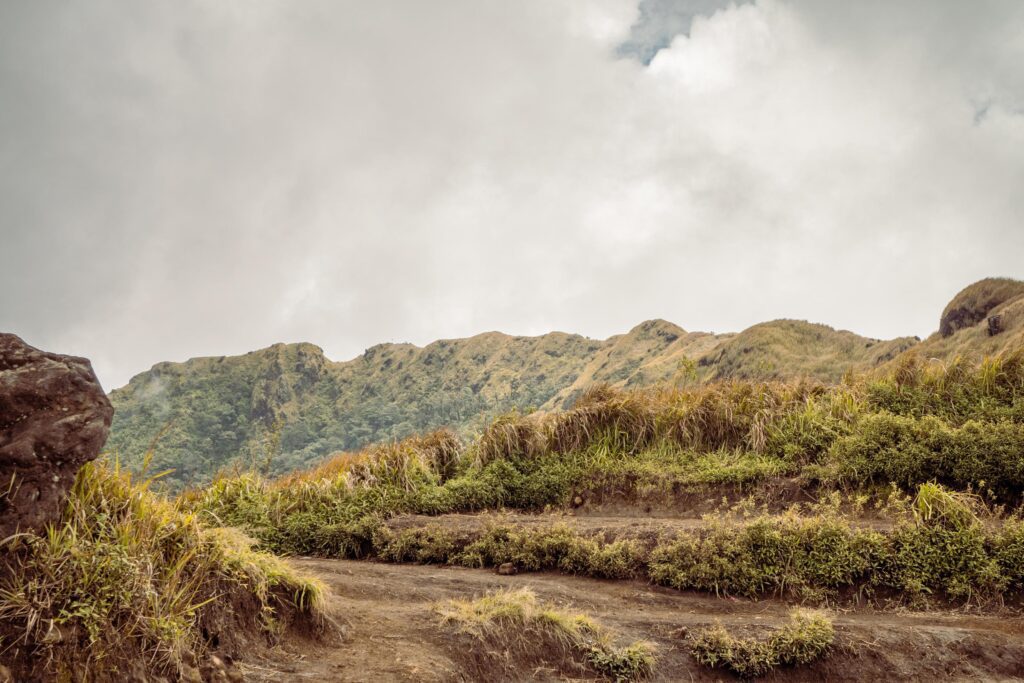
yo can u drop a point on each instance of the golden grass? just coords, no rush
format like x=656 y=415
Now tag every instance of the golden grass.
x=531 y=632
x=806 y=637
x=128 y=580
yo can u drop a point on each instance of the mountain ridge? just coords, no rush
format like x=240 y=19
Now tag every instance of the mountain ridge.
x=288 y=405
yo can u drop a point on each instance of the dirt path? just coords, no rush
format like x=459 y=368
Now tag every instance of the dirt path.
x=392 y=633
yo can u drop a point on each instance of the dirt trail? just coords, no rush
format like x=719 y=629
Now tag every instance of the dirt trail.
x=392 y=633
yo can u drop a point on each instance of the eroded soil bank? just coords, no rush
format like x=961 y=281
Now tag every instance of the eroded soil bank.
x=392 y=632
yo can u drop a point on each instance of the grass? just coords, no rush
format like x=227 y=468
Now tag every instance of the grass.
x=943 y=546
x=972 y=304
x=136 y=584
x=127 y=582
x=807 y=637
x=930 y=429
x=515 y=632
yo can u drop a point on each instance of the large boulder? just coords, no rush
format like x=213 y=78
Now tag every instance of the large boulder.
x=54 y=417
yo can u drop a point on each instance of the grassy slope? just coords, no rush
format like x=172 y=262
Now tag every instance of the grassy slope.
x=994 y=296
x=292 y=401
x=929 y=430
x=783 y=349
x=129 y=586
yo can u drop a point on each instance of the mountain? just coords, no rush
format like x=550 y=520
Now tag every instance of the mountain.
x=964 y=328
x=288 y=405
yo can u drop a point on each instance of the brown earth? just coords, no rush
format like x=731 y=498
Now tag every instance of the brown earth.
x=393 y=634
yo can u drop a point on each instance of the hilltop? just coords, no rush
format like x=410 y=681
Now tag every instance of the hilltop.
x=287 y=406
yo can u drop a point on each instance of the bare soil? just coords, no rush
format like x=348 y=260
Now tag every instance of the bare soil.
x=391 y=632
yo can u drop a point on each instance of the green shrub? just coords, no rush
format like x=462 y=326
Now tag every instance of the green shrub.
x=423 y=545
x=806 y=637
x=909 y=451
x=956 y=391
x=1009 y=552
x=925 y=559
x=802 y=556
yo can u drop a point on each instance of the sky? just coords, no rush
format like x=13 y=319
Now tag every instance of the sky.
x=182 y=178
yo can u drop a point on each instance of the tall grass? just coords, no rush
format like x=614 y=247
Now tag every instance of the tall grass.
x=127 y=583
x=956 y=426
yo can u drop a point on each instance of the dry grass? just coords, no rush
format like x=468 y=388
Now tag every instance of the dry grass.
x=806 y=637
x=128 y=581
x=510 y=435
x=514 y=632
x=434 y=456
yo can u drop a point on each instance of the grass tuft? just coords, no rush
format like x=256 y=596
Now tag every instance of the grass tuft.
x=513 y=630
x=806 y=637
x=127 y=582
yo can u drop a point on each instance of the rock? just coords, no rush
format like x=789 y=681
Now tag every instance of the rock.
x=54 y=417
x=508 y=569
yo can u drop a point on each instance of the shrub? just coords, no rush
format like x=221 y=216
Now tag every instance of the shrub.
x=954 y=391
x=909 y=451
x=1009 y=552
x=803 y=556
x=512 y=435
x=626 y=418
x=423 y=545
x=806 y=637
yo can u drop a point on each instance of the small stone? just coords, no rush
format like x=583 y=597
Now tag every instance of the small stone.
x=190 y=674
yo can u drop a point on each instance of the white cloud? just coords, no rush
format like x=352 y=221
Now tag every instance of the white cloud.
x=195 y=178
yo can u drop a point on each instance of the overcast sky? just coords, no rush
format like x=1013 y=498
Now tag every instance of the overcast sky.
x=187 y=178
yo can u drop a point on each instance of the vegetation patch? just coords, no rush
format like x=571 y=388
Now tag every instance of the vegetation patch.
x=513 y=632
x=929 y=429
x=129 y=584
x=807 y=637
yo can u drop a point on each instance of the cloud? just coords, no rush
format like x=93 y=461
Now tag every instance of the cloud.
x=186 y=178
x=660 y=21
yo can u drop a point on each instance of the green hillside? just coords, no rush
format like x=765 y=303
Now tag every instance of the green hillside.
x=287 y=406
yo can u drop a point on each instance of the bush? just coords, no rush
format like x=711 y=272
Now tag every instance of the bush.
x=806 y=637
x=1009 y=553
x=956 y=391
x=809 y=557
x=909 y=451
